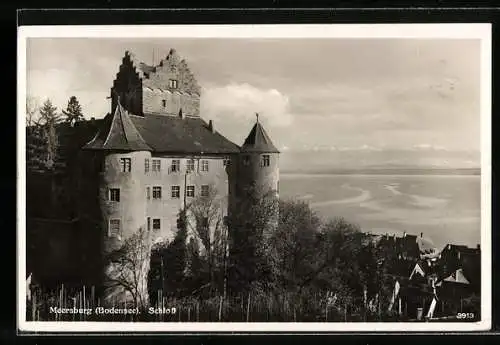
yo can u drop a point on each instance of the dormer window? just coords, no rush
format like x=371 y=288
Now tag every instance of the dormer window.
x=172 y=83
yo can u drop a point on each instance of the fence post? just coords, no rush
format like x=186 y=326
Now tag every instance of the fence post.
x=33 y=306
x=198 y=311
x=248 y=307
x=220 y=308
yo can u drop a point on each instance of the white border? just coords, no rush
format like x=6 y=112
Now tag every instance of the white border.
x=456 y=31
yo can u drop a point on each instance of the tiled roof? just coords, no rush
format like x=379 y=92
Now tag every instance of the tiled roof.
x=118 y=133
x=171 y=134
x=258 y=141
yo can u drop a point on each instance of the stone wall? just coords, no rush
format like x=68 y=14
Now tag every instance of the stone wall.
x=160 y=101
x=167 y=208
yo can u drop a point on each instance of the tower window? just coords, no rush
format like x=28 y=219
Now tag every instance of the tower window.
x=114 y=228
x=172 y=83
x=148 y=193
x=265 y=160
x=204 y=165
x=164 y=103
x=176 y=192
x=126 y=164
x=246 y=160
x=114 y=194
x=176 y=165
x=190 y=165
x=156 y=165
x=190 y=191
x=157 y=193
x=156 y=224
x=204 y=190
x=146 y=165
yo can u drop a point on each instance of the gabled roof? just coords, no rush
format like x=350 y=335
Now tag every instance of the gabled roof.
x=118 y=133
x=258 y=140
x=172 y=134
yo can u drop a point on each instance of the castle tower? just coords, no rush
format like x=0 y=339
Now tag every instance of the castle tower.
x=122 y=202
x=168 y=88
x=256 y=177
x=259 y=162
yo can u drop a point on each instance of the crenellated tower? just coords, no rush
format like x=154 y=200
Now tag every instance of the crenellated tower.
x=168 y=88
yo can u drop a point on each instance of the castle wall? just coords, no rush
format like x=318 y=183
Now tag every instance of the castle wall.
x=131 y=209
x=167 y=208
x=154 y=100
x=265 y=178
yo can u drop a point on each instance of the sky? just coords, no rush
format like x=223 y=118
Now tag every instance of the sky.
x=311 y=94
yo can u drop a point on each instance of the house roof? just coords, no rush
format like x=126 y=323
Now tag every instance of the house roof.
x=258 y=140
x=158 y=133
x=172 y=134
x=118 y=133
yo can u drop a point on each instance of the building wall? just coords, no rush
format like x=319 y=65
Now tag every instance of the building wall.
x=131 y=209
x=175 y=101
x=167 y=208
x=266 y=178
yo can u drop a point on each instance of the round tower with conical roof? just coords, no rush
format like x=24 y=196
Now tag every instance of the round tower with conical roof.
x=123 y=205
x=255 y=174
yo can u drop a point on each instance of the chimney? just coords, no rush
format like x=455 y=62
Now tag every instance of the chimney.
x=211 y=126
x=421 y=234
x=478 y=246
x=404 y=234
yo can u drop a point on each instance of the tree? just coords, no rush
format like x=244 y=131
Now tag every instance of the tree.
x=32 y=111
x=128 y=268
x=73 y=111
x=174 y=259
x=252 y=221
x=48 y=121
x=206 y=223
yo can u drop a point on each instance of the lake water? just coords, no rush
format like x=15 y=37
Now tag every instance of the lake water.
x=446 y=209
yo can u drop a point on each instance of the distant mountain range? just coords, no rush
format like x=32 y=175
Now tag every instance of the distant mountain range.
x=381 y=162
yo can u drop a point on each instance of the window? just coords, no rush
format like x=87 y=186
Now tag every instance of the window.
x=190 y=165
x=114 y=194
x=156 y=224
x=246 y=160
x=114 y=228
x=125 y=164
x=204 y=190
x=149 y=223
x=176 y=165
x=265 y=160
x=156 y=192
x=176 y=192
x=172 y=83
x=164 y=103
x=227 y=162
x=148 y=193
x=204 y=165
x=146 y=165
x=190 y=191
x=156 y=165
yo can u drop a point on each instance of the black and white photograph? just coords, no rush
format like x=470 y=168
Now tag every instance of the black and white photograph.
x=254 y=178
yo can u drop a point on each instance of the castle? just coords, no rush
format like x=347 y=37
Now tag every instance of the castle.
x=153 y=154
